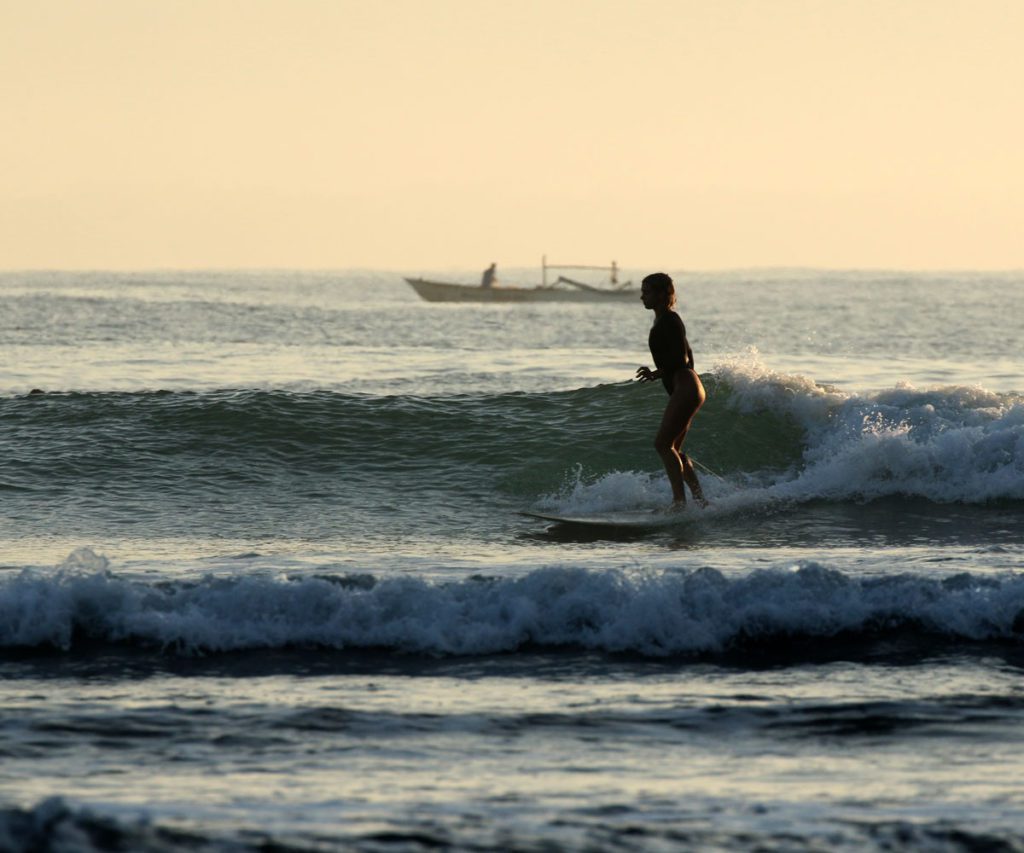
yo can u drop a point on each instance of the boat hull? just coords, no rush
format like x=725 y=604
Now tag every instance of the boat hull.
x=441 y=291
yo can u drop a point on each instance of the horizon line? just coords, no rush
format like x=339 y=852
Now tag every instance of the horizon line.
x=474 y=270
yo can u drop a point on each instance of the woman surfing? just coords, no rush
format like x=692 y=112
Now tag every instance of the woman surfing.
x=673 y=362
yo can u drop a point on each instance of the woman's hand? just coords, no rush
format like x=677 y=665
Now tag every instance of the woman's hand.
x=645 y=374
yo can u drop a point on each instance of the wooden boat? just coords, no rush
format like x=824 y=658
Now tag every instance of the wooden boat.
x=443 y=291
x=562 y=290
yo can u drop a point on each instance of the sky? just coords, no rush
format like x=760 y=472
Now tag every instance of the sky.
x=429 y=134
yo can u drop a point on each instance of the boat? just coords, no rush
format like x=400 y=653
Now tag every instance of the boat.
x=445 y=291
x=563 y=289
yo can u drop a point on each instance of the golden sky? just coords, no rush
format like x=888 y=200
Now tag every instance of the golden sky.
x=412 y=134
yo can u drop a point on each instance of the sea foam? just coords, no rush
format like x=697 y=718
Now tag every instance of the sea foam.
x=766 y=437
x=945 y=444
x=654 y=613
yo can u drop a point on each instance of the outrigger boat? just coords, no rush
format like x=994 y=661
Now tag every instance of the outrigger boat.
x=563 y=289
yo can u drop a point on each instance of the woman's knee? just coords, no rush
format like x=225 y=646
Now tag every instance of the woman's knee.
x=666 y=446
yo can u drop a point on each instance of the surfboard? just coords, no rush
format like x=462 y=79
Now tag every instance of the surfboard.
x=639 y=519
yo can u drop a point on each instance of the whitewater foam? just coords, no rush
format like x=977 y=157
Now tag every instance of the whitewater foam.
x=945 y=444
x=648 y=612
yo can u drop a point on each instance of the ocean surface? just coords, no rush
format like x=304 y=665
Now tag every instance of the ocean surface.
x=265 y=581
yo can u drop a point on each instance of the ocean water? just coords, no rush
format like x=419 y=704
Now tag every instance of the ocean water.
x=265 y=583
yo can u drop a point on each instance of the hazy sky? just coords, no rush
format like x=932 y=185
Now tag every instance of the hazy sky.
x=407 y=134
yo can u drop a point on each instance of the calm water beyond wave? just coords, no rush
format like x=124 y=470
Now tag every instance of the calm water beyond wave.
x=265 y=582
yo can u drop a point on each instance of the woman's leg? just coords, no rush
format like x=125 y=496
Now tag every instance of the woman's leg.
x=674 y=424
x=684 y=403
x=690 y=477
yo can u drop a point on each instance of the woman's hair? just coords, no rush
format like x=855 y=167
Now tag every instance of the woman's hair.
x=662 y=283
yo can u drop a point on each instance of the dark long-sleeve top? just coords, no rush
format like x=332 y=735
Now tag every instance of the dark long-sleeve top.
x=669 y=347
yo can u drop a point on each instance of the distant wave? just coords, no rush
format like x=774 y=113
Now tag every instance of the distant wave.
x=772 y=436
x=652 y=614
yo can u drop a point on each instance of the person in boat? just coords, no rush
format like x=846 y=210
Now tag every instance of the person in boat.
x=487 y=279
x=673 y=362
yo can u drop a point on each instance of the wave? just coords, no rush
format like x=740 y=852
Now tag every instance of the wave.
x=771 y=436
x=59 y=824
x=54 y=824
x=945 y=444
x=654 y=614
x=766 y=438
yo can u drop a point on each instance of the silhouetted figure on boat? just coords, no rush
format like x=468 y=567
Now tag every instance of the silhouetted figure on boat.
x=488 y=278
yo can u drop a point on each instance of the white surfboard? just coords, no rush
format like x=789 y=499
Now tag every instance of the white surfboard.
x=637 y=519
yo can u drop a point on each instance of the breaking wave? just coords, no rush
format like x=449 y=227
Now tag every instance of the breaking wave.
x=656 y=614
x=772 y=436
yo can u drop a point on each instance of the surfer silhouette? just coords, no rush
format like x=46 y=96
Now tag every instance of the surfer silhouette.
x=673 y=362
x=487 y=279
